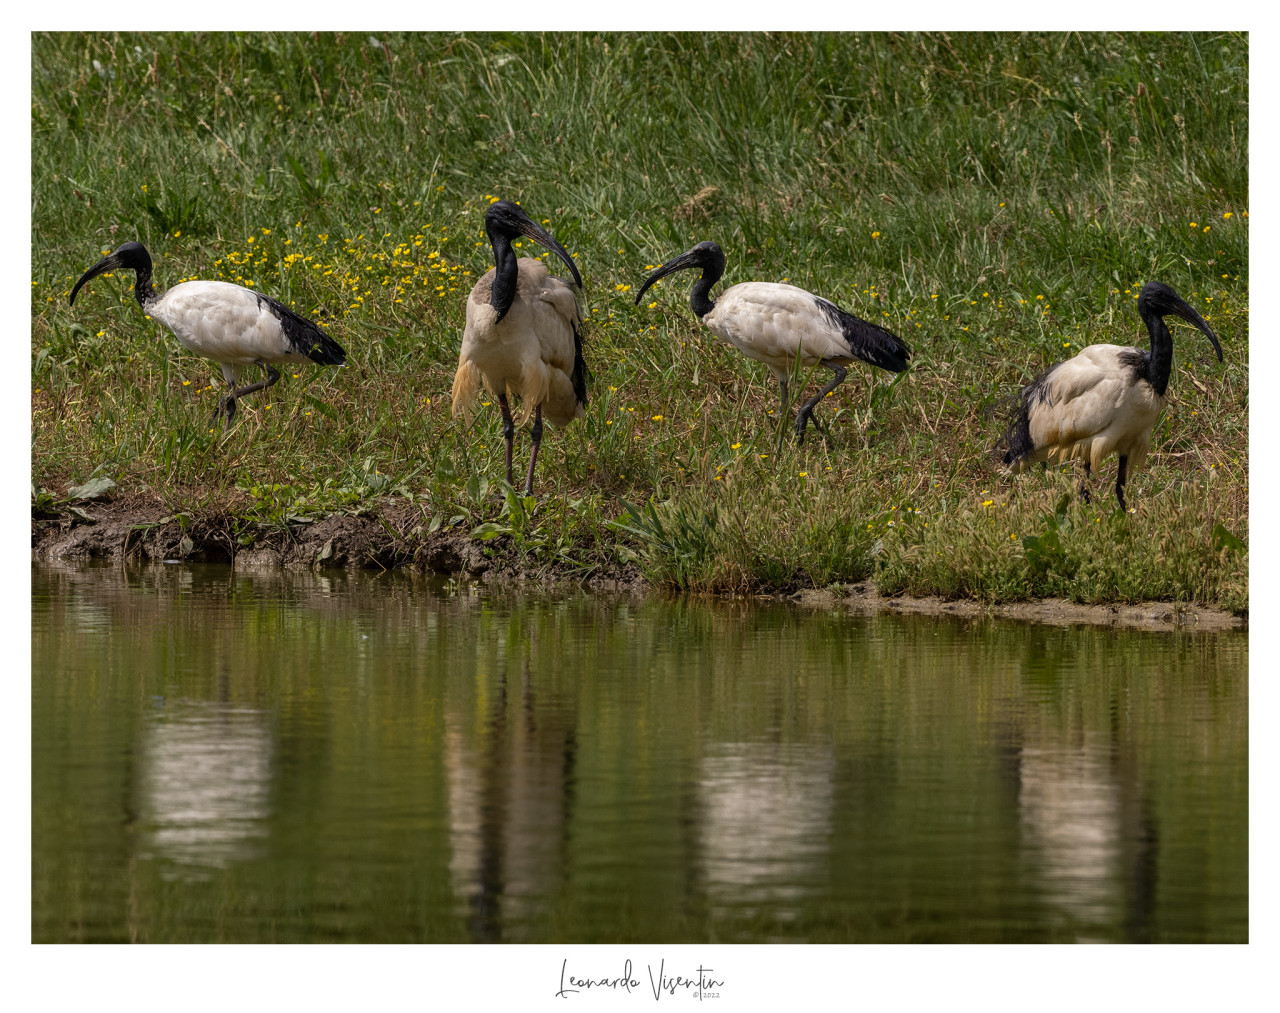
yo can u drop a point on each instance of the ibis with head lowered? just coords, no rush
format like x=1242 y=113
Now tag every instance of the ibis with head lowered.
x=232 y=325
x=777 y=324
x=523 y=335
x=1103 y=401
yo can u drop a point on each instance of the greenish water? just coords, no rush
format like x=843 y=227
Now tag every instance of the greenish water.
x=295 y=757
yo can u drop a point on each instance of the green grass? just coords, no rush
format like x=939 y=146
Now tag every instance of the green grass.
x=995 y=199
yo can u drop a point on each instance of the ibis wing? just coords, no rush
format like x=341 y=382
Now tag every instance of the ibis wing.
x=235 y=325
x=770 y=322
x=1091 y=405
x=558 y=322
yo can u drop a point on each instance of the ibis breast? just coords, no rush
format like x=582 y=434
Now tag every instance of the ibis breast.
x=769 y=322
x=227 y=323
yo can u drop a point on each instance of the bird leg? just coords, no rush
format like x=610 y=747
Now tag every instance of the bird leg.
x=536 y=432
x=508 y=430
x=1124 y=464
x=782 y=412
x=228 y=404
x=1084 y=488
x=806 y=410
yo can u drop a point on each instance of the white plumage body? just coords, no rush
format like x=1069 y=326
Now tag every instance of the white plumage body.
x=232 y=325
x=1091 y=406
x=1103 y=401
x=769 y=322
x=530 y=352
x=779 y=324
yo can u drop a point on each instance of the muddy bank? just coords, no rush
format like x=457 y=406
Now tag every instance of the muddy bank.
x=864 y=599
x=142 y=529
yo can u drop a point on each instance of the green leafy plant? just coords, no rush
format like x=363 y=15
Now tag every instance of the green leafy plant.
x=43 y=502
x=515 y=519
x=678 y=539
x=1224 y=541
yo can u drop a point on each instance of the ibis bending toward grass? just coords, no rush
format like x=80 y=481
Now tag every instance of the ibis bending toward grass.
x=776 y=324
x=1105 y=400
x=523 y=335
x=232 y=325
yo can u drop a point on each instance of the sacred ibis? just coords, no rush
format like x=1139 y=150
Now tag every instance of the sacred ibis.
x=232 y=325
x=775 y=323
x=523 y=335
x=1103 y=401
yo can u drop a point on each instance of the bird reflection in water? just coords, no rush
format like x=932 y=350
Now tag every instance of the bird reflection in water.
x=510 y=802
x=764 y=825
x=1089 y=840
x=206 y=781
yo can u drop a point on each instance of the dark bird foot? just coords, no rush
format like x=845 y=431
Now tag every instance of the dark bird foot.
x=227 y=408
x=818 y=426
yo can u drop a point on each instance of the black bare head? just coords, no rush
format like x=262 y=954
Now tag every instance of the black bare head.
x=505 y=220
x=707 y=256
x=1157 y=300
x=130 y=256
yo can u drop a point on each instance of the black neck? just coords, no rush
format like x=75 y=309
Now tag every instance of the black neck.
x=1160 y=358
x=504 y=275
x=700 y=297
x=142 y=289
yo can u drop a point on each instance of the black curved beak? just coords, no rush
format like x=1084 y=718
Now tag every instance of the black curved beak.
x=108 y=263
x=686 y=260
x=530 y=229
x=1188 y=313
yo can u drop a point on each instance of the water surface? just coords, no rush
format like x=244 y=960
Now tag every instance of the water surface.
x=224 y=756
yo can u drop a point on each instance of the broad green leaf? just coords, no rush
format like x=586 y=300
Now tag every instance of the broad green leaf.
x=91 y=489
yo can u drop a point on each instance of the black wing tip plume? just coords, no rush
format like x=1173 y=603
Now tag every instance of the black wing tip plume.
x=1015 y=444
x=580 y=371
x=871 y=343
x=305 y=335
x=327 y=352
x=899 y=359
x=317 y=345
x=893 y=355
